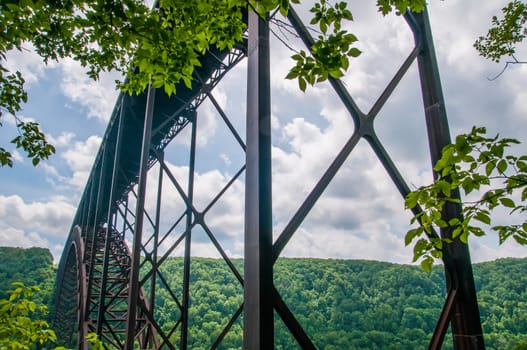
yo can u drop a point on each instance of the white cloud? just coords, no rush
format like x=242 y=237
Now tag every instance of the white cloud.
x=13 y=237
x=360 y=215
x=64 y=139
x=207 y=123
x=27 y=62
x=51 y=218
x=486 y=250
x=225 y=158
x=98 y=97
x=17 y=156
x=49 y=169
x=80 y=160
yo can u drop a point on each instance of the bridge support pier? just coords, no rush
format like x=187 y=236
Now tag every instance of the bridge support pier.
x=463 y=312
x=258 y=330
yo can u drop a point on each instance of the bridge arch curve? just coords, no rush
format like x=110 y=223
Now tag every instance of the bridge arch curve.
x=70 y=298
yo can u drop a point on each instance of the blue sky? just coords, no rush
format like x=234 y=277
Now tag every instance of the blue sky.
x=360 y=216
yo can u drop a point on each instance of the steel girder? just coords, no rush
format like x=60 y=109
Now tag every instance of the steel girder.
x=113 y=289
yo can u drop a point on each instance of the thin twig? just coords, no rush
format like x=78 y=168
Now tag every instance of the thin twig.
x=506 y=66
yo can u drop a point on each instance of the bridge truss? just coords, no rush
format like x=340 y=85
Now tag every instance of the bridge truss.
x=111 y=268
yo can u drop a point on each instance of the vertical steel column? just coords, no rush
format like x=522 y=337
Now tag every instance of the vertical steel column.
x=85 y=223
x=161 y=159
x=94 y=237
x=111 y=199
x=258 y=329
x=133 y=295
x=465 y=321
x=188 y=237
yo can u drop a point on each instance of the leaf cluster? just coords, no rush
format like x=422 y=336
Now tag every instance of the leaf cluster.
x=475 y=164
x=19 y=328
x=159 y=47
x=12 y=91
x=400 y=6
x=93 y=32
x=95 y=341
x=263 y=7
x=332 y=49
x=505 y=33
x=33 y=142
x=181 y=31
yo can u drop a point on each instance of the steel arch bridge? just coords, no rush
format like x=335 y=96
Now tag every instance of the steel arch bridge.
x=108 y=286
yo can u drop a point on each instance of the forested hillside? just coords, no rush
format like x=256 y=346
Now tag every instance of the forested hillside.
x=32 y=266
x=342 y=304
x=350 y=304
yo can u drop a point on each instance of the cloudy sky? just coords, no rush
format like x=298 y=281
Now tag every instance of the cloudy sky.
x=361 y=214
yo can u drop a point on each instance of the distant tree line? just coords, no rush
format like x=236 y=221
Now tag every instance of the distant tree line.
x=342 y=304
x=32 y=266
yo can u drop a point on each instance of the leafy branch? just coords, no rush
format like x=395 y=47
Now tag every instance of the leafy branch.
x=33 y=142
x=334 y=47
x=505 y=33
x=161 y=47
x=504 y=36
x=474 y=164
x=400 y=6
x=330 y=51
x=20 y=327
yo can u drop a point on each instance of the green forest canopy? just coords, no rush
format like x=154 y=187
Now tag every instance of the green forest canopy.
x=342 y=304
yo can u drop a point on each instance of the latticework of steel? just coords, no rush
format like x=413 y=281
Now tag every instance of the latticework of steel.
x=107 y=287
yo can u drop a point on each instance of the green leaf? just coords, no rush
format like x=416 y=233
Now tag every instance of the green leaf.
x=502 y=166
x=438 y=254
x=444 y=187
x=302 y=84
x=323 y=26
x=411 y=200
x=188 y=83
x=420 y=248
x=427 y=263
x=477 y=231
x=489 y=168
x=411 y=234
x=507 y=202
x=336 y=74
x=482 y=217
x=522 y=166
x=457 y=231
x=463 y=237
x=520 y=240
x=354 y=52
x=454 y=222
x=468 y=185
x=292 y=74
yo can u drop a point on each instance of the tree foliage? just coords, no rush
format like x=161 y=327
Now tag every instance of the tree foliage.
x=20 y=323
x=505 y=33
x=161 y=47
x=488 y=177
x=31 y=266
x=342 y=304
x=347 y=304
